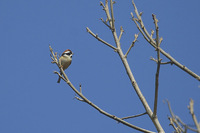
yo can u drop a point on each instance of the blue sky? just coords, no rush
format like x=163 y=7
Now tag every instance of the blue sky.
x=32 y=102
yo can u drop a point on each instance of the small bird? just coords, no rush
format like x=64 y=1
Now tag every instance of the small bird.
x=65 y=61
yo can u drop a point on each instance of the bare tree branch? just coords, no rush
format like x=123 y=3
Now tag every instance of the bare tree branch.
x=141 y=31
x=158 y=65
x=175 y=121
x=106 y=9
x=191 y=108
x=105 y=22
x=161 y=63
x=121 y=32
x=152 y=32
x=172 y=124
x=178 y=122
x=84 y=99
x=127 y=67
x=99 y=39
x=80 y=88
x=151 y=41
x=133 y=43
x=184 y=125
x=78 y=98
x=60 y=75
x=142 y=27
x=112 y=15
x=133 y=116
x=173 y=116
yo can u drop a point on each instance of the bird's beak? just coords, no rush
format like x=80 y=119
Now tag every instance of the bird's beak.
x=72 y=55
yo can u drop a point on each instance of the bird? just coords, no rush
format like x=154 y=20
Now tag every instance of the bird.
x=65 y=61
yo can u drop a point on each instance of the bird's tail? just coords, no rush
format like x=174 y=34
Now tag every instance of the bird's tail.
x=59 y=78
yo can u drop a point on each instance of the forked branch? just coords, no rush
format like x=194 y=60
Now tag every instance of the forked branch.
x=179 y=124
x=191 y=108
x=133 y=43
x=126 y=65
x=173 y=118
x=99 y=39
x=149 y=38
x=158 y=65
x=177 y=130
x=84 y=99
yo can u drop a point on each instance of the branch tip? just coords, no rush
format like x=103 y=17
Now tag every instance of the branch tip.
x=53 y=61
x=152 y=32
x=55 y=72
x=99 y=39
x=80 y=99
x=101 y=4
x=87 y=29
x=132 y=45
x=80 y=88
x=121 y=32
x=132 y=15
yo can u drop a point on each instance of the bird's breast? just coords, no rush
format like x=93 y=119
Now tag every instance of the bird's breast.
x=65 y=62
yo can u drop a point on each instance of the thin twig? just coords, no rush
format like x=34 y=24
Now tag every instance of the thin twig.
x=191 y=108
x=162 y=63
x=83 y=98
x=52 y=55
x=177 y=120
x=160 y=41
x=105 y=22
x=99 y=39
x=151 y=41
x=112 y=15
x=152 y=32
x=133 y=43
x=128 y=117
x=80 y=99
x=185 y=125
x=158 y=65
x=121 y=32
x=80 y=88
x=138 y=26
x=173 y=116
x=172 y=124
x=106 y=9
x=129 y=72
x=130 y=75
x=145 y=32
x=59 y=75
x=101 y=4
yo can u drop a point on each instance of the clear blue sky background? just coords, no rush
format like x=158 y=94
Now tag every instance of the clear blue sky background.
x=32 y=102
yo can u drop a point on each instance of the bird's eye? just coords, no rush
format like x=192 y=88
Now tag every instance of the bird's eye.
x=67 y=54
